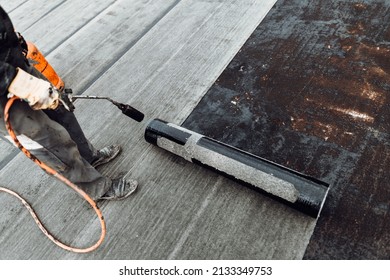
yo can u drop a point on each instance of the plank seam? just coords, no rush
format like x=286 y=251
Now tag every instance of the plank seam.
x=17 y=6
x=128 y=47
x=48 y=12
x=81 y=27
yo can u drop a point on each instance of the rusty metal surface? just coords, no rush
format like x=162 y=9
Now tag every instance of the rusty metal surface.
x=310 y=90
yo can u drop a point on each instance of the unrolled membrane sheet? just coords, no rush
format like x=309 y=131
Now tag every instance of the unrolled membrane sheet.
x=180 y=211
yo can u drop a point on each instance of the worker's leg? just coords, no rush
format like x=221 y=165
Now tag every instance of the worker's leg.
x=51 y=143
x=69 y=122
x=49 y=140
x=14 y=55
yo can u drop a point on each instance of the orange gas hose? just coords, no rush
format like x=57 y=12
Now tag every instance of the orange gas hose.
x=59 y=177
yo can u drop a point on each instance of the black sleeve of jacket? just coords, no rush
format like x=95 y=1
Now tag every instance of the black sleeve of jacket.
x=8 y=38
x=7 y=74
x=8 y=42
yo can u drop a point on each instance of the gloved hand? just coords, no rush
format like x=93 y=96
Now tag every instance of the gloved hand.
x=39 y=93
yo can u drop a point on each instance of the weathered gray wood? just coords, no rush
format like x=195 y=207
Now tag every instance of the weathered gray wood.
x=88 y=54
x=9 y=6
x=24 y=16
x=64 y=21
x=180 y=210
x=7 y=152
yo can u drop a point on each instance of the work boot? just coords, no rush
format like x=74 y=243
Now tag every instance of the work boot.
x=120 y=189
x=106 y=154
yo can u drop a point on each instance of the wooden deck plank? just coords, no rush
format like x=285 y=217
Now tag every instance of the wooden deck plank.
x=30 y=12
x=9 y=6
x=7 y=153
x=52 y=28
x=88 y=54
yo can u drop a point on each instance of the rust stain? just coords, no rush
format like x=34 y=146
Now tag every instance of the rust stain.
x=311 y=90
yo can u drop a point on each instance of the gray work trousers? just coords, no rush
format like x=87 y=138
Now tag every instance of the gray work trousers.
x=55 y=137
